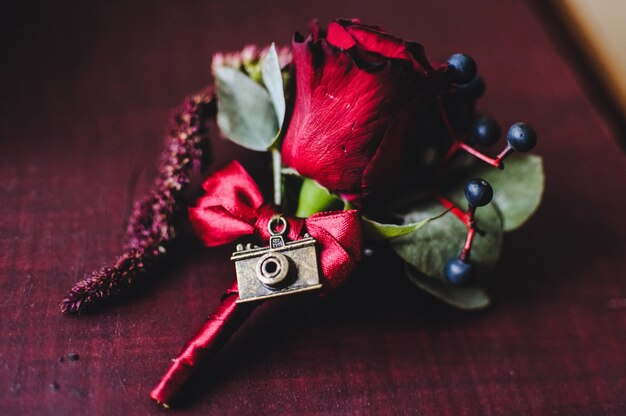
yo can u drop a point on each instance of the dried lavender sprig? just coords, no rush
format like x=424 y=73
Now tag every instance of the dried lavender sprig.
x=151 y=227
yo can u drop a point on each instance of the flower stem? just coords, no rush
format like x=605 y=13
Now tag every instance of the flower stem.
x=277 y=165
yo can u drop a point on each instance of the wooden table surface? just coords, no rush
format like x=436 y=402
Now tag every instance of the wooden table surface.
x=86 y=90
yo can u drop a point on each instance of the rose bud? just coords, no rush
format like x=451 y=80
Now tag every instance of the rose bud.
x=358 y=101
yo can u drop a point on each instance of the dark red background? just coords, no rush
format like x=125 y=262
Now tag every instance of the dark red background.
x=85 y=92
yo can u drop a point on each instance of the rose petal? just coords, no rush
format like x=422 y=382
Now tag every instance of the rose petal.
x=375 y=39
x=396 y=148
x=339 y=37
x=341 y=113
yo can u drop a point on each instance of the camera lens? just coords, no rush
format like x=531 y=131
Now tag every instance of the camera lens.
x=272 y=270
x=270 y=267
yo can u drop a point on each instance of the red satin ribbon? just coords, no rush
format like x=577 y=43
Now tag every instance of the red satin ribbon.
x=214 y=333
x=233 y=207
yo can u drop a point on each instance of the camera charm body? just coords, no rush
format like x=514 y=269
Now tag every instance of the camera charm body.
x=279 y=269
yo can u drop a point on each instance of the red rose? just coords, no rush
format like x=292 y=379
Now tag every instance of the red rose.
x=358 y=94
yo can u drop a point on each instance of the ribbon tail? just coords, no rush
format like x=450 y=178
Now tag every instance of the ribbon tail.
x=214 y=334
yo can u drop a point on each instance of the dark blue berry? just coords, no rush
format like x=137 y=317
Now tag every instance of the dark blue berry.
x=475 y=88
x=463 y=68
x=521 y=137
x=485 y=131
x=459 y=272
x=478 y=192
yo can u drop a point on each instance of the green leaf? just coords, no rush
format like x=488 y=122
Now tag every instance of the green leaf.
x=377 y=231
x=315 y=198
x=246 y=113
x=273 y=81
x=430 y=246
x=468 y=298
x=517 y=190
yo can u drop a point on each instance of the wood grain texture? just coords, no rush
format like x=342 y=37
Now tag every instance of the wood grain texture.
x=86 y=91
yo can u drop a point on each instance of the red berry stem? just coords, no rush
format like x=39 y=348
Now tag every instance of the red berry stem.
x=454 y=148
x=450 y=206
x=458 y=143
x=496 y=163
x=467 y=247
x=152 y=225
x=504 y=153
x=470 y=222
x=468 y=218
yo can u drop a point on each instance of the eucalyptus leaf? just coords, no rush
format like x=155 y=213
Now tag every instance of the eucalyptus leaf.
x=246 y=113
x=273 y=81
x=517 y=189
x=469 y=298
x=377 y=231
x=430 y=246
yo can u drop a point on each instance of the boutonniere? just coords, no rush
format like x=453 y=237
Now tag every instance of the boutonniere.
x=372 y=144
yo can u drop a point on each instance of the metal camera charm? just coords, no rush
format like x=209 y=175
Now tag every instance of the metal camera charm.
x=280 y=269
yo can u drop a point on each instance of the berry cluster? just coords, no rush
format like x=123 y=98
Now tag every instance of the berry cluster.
x=484 y=132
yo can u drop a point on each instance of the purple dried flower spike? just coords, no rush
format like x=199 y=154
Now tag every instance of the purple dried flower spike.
x=151 y=227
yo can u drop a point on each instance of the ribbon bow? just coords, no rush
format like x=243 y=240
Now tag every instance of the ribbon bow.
x=233 y=207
